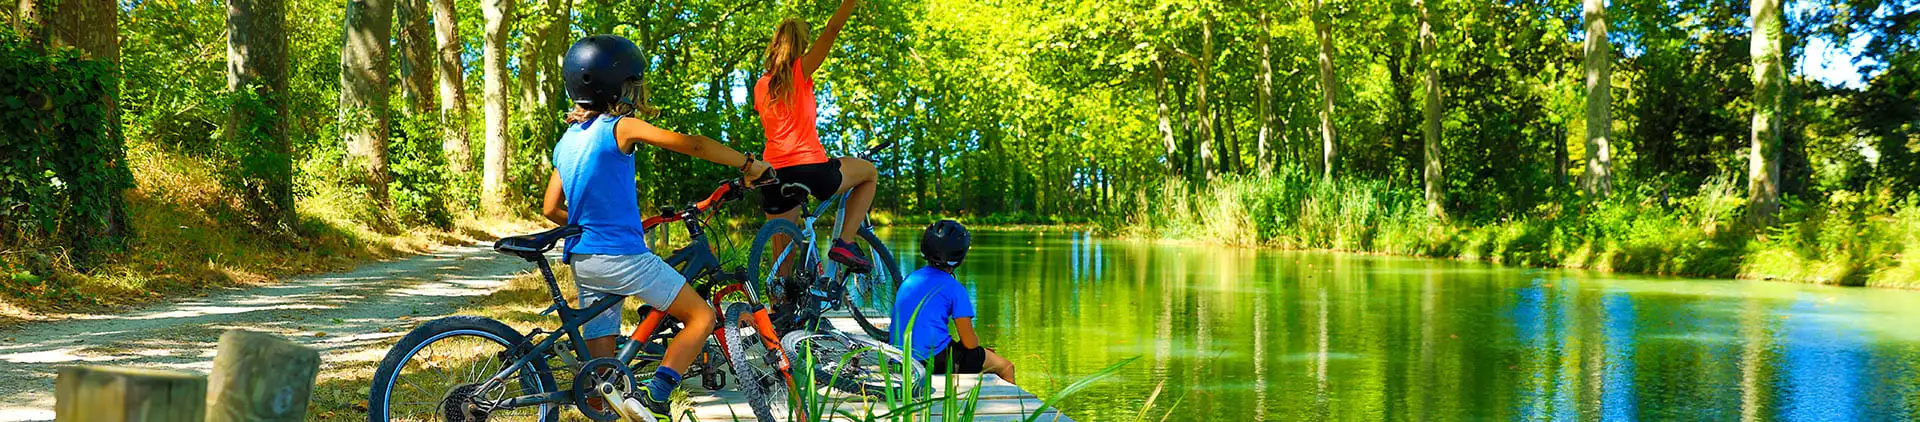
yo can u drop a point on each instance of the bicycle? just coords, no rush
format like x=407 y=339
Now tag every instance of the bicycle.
x=516 y=380
x=799 y=289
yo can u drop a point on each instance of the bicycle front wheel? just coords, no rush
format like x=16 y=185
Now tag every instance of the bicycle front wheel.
x=871 y=295
x=436 y=371
x=756 y=367
x=858 y=366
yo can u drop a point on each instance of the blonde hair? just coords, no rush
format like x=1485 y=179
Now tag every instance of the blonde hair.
x=788 y=44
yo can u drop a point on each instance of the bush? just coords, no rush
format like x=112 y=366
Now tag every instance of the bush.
x=1849 y=238
x=64 y=172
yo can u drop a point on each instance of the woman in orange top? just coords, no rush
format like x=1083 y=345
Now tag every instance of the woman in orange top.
x=784 y=98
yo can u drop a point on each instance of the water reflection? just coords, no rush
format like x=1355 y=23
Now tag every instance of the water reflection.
x=1269 y=335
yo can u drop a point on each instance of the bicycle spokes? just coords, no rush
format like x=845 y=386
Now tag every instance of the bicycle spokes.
x=445 y=379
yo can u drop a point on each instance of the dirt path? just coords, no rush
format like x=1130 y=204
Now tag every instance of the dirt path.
x=332 y=312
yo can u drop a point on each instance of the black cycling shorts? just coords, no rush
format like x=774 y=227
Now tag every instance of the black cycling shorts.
x=821 y=180
x=958 y=359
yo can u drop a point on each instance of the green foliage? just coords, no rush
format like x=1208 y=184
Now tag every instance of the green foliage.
x=65 y=169
x=422 y=188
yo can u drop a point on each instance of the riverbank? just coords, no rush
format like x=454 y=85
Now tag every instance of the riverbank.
x=1844 y=239
x=189 y=237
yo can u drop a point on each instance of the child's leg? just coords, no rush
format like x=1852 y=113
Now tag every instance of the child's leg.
x=857 y=179
x=998 y=366
x=691 y=310
x=603 y=329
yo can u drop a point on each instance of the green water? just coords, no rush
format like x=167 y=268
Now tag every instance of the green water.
x=1238 y=334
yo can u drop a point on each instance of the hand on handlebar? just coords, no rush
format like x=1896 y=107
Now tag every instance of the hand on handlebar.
x=755 y=170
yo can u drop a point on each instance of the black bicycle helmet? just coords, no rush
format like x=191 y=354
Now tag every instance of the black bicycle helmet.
x=945 y=244
x=598 y=67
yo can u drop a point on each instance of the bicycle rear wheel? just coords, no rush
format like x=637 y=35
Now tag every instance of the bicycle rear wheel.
x=870 y=296
x=858 y=366
x=756 y=368
x=433 y=373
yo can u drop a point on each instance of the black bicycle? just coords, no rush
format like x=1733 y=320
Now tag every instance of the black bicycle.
x=469 y=368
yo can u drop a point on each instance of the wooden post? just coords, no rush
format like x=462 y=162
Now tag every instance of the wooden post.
x=260 y=377
x=108 y=394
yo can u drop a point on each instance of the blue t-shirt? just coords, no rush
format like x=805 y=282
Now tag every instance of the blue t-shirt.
x=598 y=180
x=938 y=297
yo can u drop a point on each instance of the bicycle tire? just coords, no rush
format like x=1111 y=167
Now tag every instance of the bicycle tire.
x=858 y=366
x=380 y=393
x=758 y=253
x=766 y=389
x=877 y=298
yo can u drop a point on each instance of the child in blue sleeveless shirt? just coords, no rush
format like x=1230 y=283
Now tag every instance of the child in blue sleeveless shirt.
x=593 y=186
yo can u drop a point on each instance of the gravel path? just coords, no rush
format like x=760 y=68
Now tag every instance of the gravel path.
x=331 y=312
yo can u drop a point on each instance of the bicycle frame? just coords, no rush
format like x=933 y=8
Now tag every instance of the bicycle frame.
x=836 y=203
x=696 y=260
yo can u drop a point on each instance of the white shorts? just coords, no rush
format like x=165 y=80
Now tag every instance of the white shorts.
x=644 y=276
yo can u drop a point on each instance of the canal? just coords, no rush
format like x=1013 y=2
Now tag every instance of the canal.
x=1247 y=334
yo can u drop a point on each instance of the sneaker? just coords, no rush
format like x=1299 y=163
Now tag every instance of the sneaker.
x=651 y=411
x=848 y=254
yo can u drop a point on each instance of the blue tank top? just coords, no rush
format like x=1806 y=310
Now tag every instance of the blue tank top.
x=598 y=180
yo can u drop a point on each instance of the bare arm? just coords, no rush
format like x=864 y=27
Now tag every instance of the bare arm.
x=634 y=131
x=963 y=328
x=818 y=52
x=555 y=206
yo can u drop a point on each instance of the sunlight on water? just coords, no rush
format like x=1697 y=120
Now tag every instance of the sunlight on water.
x=1239 y=334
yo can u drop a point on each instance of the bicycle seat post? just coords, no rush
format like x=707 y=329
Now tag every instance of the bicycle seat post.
x=553 y=285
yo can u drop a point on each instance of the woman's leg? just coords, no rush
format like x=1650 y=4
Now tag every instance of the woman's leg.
x=692 y=310
x=998 y=366
x=857 y=180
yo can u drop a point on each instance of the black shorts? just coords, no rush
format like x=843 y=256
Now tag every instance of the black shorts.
x=822 y=180
x=957 y=359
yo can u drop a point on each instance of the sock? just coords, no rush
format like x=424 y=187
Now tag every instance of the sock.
x=664 y=381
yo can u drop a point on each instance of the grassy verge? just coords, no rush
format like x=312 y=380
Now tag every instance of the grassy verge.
x=1845 y=239
x=189 y=237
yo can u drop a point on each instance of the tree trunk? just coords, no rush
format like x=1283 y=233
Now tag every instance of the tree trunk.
x=1769 y=73
x=1265 y=106
x=1203 y=111
x=363 y=92
x=1329 y=87
x=558 y=37
x=453 y=87
x=1435 y=177
x=1163 y=114
x=27 y=20
x=416 y=55
x=1599 y=178
x=93 y=27
x=257 y=61
x=493 y=179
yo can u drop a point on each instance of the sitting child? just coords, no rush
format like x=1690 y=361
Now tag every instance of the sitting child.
x=930 y=297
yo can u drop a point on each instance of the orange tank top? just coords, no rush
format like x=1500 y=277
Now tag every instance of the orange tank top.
x=792 y=138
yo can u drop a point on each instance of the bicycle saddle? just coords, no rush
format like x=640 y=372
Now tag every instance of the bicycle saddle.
x=531 y=247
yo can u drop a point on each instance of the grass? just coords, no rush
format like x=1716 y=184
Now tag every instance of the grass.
x=189 y=237
x=1844 y=239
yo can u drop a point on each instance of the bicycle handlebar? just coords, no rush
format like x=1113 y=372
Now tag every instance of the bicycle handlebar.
x=728 y=190
x=876 y=149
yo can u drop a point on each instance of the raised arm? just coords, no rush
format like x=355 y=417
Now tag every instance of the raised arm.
x=818 y=52
x=633 y=131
